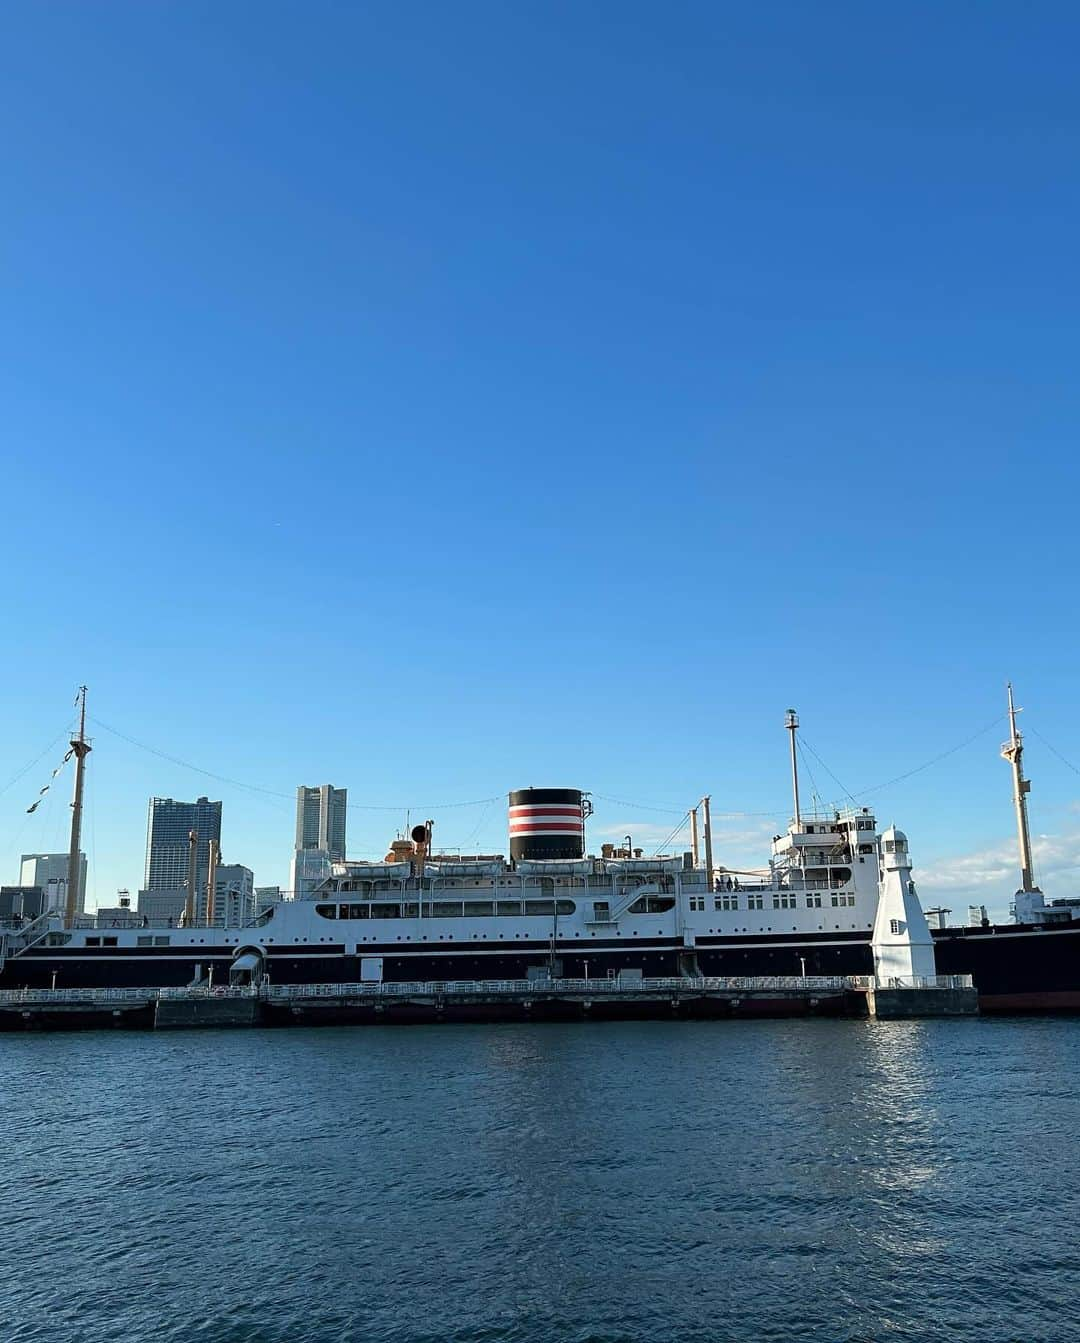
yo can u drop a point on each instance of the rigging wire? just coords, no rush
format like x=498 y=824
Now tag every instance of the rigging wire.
x=1052 y=749
x=479 y=825
x=639 y=806
x=271 y=792
x=828 y=771
x=674 y=811
x=806 y=765
x=27 y=768
x=664 y=843
x=877 y=787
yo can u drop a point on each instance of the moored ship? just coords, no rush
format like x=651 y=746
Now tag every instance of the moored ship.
x=835 y=898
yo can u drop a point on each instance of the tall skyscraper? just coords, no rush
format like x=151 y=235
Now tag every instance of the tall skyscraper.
x=320 y=820
x=167 y=830
x=234 y=896
x=38 y=869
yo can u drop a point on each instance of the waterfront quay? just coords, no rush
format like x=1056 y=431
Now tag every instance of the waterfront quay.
x=541 y=999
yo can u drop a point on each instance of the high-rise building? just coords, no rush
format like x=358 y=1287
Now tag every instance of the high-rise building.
x=167 y=830
x=320 y=819
x=162 y=907
x=21 y=902
x=265 y=897
x=308 y=870
x=234 y=896
x=38 y=869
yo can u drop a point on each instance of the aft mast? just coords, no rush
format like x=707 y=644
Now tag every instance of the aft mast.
x=81 y=749
x=1013 y=752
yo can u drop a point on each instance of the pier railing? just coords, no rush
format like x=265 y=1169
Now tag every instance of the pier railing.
x=449 y=987
x=532 y=988
x=923 y=982
x=710 y=984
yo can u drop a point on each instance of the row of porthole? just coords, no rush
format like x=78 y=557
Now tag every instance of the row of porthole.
x=450 y=937
x=820 y=928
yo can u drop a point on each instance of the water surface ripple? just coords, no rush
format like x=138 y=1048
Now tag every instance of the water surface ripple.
x=622 y=1183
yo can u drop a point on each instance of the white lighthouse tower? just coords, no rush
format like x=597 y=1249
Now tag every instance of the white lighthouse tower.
x=902 y=945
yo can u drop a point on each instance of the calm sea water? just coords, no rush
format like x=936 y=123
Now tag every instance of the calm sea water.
x=596 y=1183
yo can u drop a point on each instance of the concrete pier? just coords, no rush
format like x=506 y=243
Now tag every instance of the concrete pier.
x=543 y=999
x=893 y=1003
x=176 y=1013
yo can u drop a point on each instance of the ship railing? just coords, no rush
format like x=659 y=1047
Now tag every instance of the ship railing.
x=922 y=982
x=30 y=933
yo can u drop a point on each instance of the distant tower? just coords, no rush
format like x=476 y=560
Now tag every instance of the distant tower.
x=902 y=945
x=168 y=825
x=320 y=819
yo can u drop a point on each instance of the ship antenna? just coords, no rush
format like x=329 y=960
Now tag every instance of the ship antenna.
x=81 y=749
x=1013 y=752
x=792 y=725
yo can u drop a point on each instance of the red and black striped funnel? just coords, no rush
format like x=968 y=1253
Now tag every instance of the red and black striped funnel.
x=546 y=823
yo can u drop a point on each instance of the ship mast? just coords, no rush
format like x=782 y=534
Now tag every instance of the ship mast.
x=1013 y=752
x=81 y=748
x=792 y=724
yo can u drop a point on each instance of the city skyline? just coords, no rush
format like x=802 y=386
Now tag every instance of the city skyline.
x=571 y=438
x=978 y=877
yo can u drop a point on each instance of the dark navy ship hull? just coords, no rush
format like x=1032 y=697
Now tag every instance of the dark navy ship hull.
x=769 y=954
x=1014 y=968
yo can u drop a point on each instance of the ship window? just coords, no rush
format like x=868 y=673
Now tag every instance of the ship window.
x=161 y=941
x=894 y=926
x=327 y=911
x=108 y=942
x=547 y=907
x=93 y=941
x=813 y=902
x=144 y=941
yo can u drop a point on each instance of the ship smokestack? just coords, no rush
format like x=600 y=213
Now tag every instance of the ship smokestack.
x=547 y=823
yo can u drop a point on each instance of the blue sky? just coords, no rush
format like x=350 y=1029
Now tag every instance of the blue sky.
x=441 y=399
